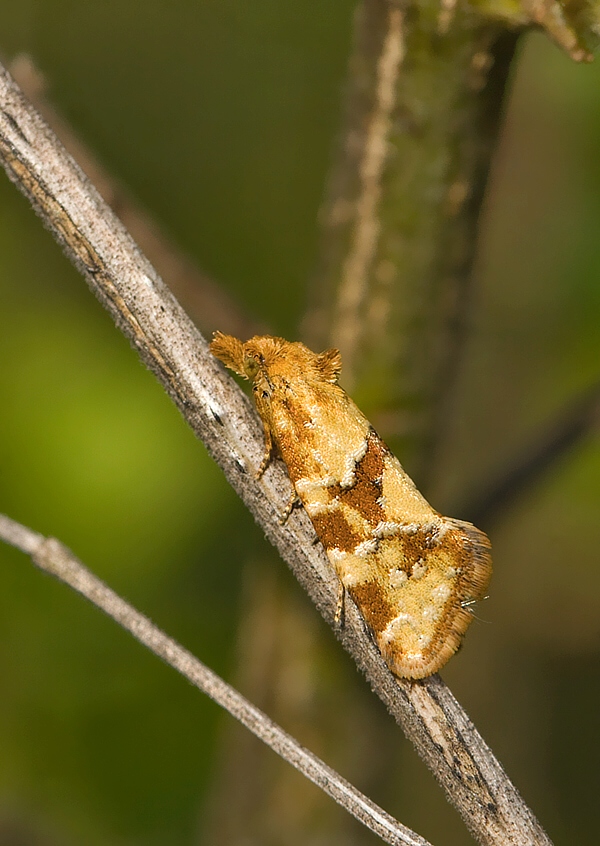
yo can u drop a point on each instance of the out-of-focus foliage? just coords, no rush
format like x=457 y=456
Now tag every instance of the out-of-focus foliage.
x=220 y=117
x=573 y=24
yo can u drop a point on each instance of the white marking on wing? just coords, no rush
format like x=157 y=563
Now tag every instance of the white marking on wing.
x=366 y=548
x=418 y=570
x=386 y=529
x=398 y=578
x=350 y=462
x=316 y=507
x=441 y=593
x=306 y=486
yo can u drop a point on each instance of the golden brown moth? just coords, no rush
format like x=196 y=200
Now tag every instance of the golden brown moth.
x=413 y=574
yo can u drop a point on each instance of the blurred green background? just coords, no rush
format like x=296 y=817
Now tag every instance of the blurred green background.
x=220 y=119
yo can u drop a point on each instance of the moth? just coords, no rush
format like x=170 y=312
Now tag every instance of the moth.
x=413 y=573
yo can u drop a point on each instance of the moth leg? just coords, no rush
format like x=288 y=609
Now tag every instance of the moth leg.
x=293 y=501
x=267 y=456
x=340 y=608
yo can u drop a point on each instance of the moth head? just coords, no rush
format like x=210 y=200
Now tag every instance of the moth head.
x=251 y=360
x=265 y=356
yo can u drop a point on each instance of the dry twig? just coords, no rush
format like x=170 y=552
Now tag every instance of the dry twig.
x=54 y=558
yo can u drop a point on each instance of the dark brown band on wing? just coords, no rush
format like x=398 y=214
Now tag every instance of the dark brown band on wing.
x=364 y=493
x=371 y=600
x=335 y=532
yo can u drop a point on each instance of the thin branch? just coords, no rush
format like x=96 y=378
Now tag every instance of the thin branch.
x=574 y=423
x=220 y=414
x=53 y=557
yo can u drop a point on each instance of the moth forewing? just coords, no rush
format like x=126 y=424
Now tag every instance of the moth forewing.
x=412 y=572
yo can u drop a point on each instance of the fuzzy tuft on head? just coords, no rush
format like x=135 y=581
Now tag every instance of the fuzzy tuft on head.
x=230 y=351
x=329 y=364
